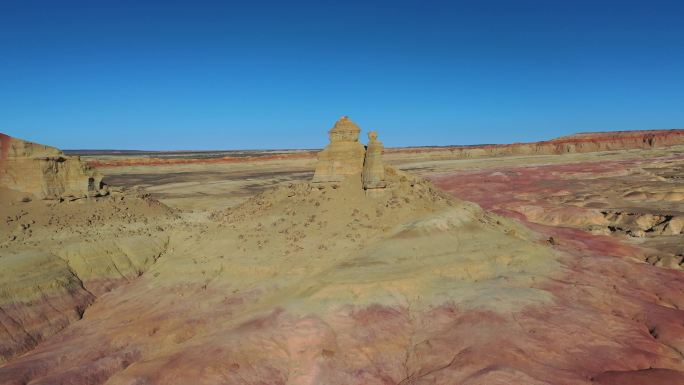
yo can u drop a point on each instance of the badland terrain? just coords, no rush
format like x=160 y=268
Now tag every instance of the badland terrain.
x=556 y=262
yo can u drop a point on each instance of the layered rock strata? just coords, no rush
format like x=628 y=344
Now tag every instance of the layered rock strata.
x=343 y=156
x=581 y=143
x=373 y=169
x=56 y=258
x=574 y=144
x=44 y=171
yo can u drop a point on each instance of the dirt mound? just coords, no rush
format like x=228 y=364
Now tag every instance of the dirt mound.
x=56 y=258
x=314 y=266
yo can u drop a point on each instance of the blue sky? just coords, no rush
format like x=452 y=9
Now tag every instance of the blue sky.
x=255 y=74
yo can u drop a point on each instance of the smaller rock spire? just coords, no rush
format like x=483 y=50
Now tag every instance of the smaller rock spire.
x=373 y=168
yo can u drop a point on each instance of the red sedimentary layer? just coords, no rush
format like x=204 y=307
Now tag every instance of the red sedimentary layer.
x=497 y=189
x=611 y=322
x=590 y=142
x=528 y=194
x=614 y=320
x=24 y=325
x=4 y=146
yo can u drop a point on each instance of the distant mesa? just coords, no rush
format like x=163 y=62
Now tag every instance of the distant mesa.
x=346 y=157
x=45 y=172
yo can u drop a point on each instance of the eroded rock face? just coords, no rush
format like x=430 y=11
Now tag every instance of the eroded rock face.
x=58 y=256
x=44 y=171
x=637 y=200
x=574 y=144
x=373 y=169
x=343 y=156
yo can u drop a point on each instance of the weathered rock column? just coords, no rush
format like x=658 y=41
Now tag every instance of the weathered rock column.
x=373 y=169
x=343 y=156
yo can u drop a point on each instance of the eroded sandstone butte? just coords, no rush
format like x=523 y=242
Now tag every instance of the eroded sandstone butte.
x=44 y=171
x=58 y=256
x=344 y=155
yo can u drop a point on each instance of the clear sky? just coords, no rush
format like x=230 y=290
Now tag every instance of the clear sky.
x=122 y=74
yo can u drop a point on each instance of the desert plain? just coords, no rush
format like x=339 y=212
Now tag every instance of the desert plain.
x=557 y=262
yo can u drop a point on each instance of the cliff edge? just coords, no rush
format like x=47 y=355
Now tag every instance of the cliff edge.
x=45 y=171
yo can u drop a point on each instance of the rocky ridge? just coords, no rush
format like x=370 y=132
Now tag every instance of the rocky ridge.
x=581 y=143
x=60 y=253
x=45 y=172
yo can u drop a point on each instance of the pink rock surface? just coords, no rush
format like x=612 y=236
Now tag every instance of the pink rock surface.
x=596 y=312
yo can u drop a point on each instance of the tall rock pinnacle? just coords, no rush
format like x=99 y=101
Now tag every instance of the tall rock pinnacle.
x=373 y=169
x=343 y=156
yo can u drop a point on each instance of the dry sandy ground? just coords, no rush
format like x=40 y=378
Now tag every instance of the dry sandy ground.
x=202 y=186
x=565 y=270
x=209 y=186
x=637 y=195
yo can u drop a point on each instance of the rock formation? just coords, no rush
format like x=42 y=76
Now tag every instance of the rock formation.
x=343 y=156
x=373 y=169
x=581 y=143
x=56 y=259
x=573 y=144
x=45 y=171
